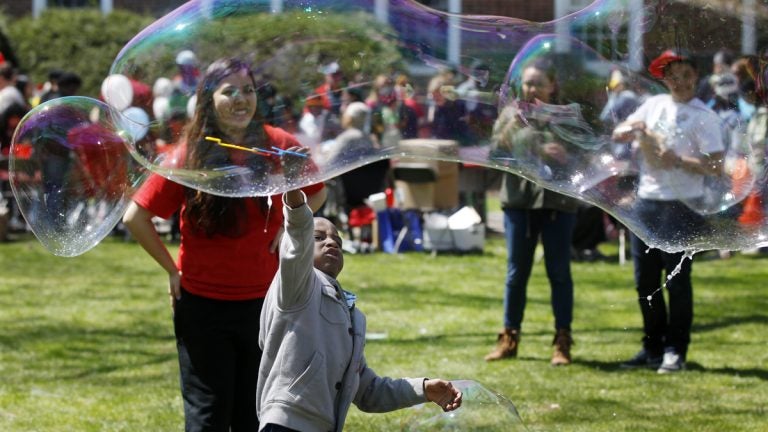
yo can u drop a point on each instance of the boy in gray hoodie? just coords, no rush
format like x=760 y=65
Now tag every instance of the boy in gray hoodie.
x=313 y=366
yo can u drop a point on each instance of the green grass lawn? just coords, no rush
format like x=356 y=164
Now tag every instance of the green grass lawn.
x=86 y=343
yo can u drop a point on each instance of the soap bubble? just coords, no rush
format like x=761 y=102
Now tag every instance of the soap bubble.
x=481 y=409
x=473 y=90
x=585 y=163
x=71 y=173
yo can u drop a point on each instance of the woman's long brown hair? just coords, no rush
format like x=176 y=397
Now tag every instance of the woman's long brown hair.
x=212 y=214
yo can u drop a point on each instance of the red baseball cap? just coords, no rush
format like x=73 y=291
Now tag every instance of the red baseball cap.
x=658 y=64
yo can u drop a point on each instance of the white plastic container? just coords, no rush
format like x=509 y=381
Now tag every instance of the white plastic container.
x=463 y=231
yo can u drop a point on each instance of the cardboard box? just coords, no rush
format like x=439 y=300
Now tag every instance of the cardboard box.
x=427 y=184
x=446 y=193
x=415 y=195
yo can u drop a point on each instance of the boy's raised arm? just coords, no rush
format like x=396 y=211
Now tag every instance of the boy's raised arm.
x=296 y=251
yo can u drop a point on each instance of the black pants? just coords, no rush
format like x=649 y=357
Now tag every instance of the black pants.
x=589 y=230
x=666 y=325
x=277 y=428
x=219 y=359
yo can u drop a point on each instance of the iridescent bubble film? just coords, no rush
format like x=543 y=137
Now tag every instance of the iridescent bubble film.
x=362 y=82
x=482 y=410
x=71 y=173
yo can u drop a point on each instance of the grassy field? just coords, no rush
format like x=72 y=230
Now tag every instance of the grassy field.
x=86 y=344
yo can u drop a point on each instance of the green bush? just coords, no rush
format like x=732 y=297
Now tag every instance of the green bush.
x=285 y=48
x=289 y=45
x=77 y=40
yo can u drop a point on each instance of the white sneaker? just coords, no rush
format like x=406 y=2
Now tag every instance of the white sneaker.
x=671 y=363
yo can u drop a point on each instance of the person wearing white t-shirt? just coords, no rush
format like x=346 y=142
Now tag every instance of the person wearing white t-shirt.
x=678 y=143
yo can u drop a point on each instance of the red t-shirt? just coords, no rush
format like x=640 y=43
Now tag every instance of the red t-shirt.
x=103 y=160
x=222 y=267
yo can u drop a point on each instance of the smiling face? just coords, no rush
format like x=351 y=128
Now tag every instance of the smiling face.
x=234 y=102
x=328 y=254
x=680 y=78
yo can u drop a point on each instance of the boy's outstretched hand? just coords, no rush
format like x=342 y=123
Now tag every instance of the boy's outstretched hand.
x=443 y=393
x=295 y=160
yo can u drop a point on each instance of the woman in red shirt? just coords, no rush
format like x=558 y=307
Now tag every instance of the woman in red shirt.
x=228 y=252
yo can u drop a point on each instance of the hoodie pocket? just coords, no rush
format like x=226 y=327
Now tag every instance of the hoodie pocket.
x=310 y=391
x=305 y=378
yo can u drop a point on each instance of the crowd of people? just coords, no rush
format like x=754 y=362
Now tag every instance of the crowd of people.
x=266 y=336
x=18 y=95
x=677 y=141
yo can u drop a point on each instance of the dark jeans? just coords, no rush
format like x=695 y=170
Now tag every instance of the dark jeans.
x=589 y=230
x=522 y=229
x=665 y=327
x=219 y=358
x=277 y=428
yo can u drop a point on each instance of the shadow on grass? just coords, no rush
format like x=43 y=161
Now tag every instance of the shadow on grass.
x=409 y=296
x=761 y=374
x=481 y=338
x=458 y=339
x=604 y=366
x=761 y=256
x=613 y=366
x=730 y=321
x=72 y=352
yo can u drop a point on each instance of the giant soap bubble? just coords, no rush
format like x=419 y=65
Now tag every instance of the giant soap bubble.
x=473 y=89
x=481 y=410
x=71 y=172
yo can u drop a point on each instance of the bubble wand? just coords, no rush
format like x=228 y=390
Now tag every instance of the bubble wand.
x=280 y=152
x=275 y=150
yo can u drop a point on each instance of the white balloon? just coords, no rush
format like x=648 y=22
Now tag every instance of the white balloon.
x=191 y=106
x=117 y=91
x=163 y=87
x=186 y=58
x=135 y=121
x=161 y=108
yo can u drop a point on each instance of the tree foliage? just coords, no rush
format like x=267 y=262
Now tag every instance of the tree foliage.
x=291 y=46
x=78 y=40
x=288 y=47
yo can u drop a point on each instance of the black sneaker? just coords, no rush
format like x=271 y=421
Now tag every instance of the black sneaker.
x=643 y=360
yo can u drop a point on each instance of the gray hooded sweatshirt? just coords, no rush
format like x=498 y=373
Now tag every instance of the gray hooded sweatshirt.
x=313 y=366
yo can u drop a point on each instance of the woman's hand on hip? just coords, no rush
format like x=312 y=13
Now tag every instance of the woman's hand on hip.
x=174 y=287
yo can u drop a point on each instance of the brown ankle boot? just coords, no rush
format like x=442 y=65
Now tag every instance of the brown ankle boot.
x=562 y=344
x=506 y=345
